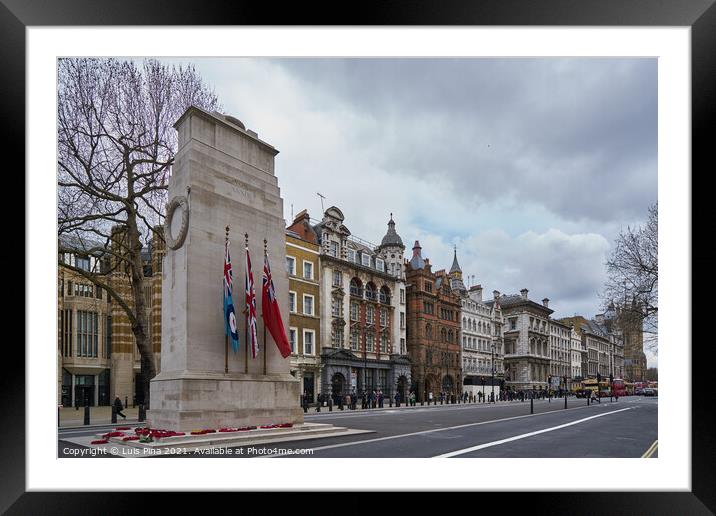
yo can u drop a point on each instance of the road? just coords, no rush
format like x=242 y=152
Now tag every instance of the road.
x=622 y=429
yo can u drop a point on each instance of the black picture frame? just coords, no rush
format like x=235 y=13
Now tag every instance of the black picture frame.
x=700 y=16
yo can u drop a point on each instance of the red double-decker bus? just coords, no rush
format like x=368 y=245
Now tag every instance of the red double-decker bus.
x=618 y=387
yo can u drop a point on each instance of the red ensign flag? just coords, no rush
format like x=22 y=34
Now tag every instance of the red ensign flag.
x=271 y=313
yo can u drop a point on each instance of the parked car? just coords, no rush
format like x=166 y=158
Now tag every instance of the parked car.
x=650 y=392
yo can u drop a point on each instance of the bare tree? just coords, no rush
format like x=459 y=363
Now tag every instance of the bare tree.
x=116 y=147
x=633 y=273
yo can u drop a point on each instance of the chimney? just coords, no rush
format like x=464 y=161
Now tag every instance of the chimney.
x=524 y=292
x=545 y=302
x=495 y=294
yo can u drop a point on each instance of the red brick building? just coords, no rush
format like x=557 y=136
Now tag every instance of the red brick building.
x=433 y=329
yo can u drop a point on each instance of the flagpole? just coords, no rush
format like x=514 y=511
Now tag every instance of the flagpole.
x=226 y=337
x=246 y=314
x=264 y=317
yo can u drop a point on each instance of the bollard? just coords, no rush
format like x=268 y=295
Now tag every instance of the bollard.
x=142 y=413
x=125 y=402
x=532 y=406
x=588 y=398
x=87 y=415
x=390 y=402
x=114 y=414
x=305 y=408
x=330 y=405
x=421 y=403
x=565 y=401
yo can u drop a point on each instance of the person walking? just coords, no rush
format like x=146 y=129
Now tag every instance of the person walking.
x=118 y=407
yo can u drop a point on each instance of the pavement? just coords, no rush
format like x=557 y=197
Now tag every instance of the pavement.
x=616 y=429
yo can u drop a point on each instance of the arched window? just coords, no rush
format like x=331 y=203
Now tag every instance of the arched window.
x=356 y=288
x=428 y=331
x=449 y=336
x=443 y=335
x=385 y=295
x=370 y=291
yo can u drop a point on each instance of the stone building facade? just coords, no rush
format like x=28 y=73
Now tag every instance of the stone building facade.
x=526 y=334
x=560 y=354
x=482 y=346
x=97 y=354
x=362 y=311
x=434 y=328
x=304 y=331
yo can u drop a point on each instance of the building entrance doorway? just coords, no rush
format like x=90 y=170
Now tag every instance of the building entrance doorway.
x=338 y=383
x=308 y=384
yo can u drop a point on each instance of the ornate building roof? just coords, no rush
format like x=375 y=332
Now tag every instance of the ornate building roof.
x=417 y=262
x=392 y=237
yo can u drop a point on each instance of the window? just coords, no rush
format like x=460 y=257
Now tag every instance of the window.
x=351 y=255
x=292 y=340
x=308 y=340
x=337 y=337
x=354 y=311
x=369 y=315
x=354 y=341
x=384 y=295
x=337 y=279
x=87 y=334
x=369 y=341
x=513 y=324
x=69 y=288
x=370 y=292
x=336 y=307
x=384 y=343
x=383 y=317
x=66 y=324
x=402 y=320
x=307 y=304
x=428 y=308
x=334 y=249
x=307 y=270
x=108 y=337
x=428 y=286
x=291 y=265
x=82 y=262
x=365 y=259
x=292 y=302
x=402 y=295
x=380 y=265
x=402 y=346
x=355 y=288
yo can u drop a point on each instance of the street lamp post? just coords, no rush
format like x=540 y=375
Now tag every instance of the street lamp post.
x=493 y=372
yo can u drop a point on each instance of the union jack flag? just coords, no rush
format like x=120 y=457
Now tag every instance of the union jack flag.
x=251 y=307
x=229 y=313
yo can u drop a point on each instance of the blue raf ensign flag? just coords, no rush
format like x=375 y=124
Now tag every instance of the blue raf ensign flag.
x=231 y=327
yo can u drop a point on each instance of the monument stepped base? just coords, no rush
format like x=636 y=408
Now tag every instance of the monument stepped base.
x=183 y=402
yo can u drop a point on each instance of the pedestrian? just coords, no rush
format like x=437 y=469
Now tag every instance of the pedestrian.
x=118 y=407
x=430 y=397
x=380 y=398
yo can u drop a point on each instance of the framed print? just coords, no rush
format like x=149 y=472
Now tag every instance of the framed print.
x=413 y=213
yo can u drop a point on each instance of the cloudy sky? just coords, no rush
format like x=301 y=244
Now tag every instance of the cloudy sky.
x=529 y=166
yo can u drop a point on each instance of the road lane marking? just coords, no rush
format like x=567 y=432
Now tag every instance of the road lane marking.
x=524 y=436
x=649 y=452
x=422 y=432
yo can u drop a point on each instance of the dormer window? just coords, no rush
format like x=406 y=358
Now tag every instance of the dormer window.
x=365 y=259
x=334 y=249
x=380 y=265
x=351 y=255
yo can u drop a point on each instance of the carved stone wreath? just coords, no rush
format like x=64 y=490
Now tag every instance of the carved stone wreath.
x=176 y=202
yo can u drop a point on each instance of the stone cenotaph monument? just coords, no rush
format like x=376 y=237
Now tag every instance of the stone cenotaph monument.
x=223 y=176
